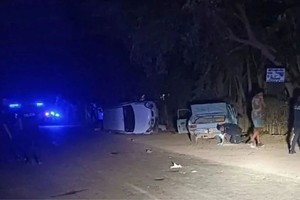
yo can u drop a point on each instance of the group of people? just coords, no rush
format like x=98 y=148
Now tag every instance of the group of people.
x=94 y=116
x=232 y=133
x=20 y=128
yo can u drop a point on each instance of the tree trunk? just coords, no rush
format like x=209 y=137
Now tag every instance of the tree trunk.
x=229 y=88
x=260 y=76
x=249 y=79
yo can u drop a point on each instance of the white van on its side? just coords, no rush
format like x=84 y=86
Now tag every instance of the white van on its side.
x=131 y=118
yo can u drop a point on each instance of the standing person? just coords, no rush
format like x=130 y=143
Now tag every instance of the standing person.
x=5 y=136
x=8 y=126
x=296 y=122
x=258 y=106
x=5 y=118
x=30 y=132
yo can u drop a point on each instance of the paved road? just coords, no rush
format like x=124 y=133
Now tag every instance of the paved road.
x=81 y=164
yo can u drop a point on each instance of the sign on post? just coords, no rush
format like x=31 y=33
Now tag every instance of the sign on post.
x=275 y=75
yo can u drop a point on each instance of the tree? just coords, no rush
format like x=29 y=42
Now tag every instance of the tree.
x=218 y=48
x=248 y=28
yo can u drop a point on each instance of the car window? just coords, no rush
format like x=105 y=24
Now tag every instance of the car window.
x=232 y=114
x=129 y=120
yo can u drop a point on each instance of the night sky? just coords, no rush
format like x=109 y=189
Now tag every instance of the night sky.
x=55 y=47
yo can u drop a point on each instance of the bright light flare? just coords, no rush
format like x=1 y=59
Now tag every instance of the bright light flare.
x=39 y=104
x=52 y=114
x=14 y=105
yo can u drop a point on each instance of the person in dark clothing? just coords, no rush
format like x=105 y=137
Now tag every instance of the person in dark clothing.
x=296 y=122
x=30 y=136
x=9 y=128
x=5 y=138
x=6 y=119
x=230 y=132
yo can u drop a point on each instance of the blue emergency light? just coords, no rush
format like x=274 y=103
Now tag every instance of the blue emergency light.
x=52 y=114
x=14 y=105
x=39 y=104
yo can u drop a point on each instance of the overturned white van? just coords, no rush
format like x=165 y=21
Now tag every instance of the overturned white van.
x=131 y=118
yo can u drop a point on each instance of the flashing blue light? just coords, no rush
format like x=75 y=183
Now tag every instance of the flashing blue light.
x=39 y=104
x=52 y=114
x=15 y=105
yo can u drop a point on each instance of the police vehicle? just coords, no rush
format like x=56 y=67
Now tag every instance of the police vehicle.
x=42 y=112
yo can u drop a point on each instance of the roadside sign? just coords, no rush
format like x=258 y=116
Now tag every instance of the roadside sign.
x=275 y=75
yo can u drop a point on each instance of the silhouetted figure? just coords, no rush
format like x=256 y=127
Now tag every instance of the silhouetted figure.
x=30 y=137
x=8 y=122
x=294 y=137
x=5 y=137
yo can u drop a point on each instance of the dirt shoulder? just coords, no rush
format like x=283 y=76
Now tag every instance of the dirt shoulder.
x=273 y=158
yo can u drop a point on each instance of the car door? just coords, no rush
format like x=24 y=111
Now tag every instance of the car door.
x=182 y=117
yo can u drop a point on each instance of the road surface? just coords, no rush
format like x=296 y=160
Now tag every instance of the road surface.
x=81 y=164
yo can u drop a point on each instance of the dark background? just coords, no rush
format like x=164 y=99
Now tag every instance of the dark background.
x=55 y=47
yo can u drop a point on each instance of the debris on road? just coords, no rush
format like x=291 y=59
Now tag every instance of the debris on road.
x=175 y=166
x=114 y=152
x=148 y=150
x=162 y=127
x=159 y=179
x=174 y=170
x=194 y=171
